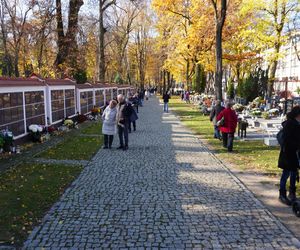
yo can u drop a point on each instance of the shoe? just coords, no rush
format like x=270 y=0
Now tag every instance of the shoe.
x=292 y=195
x=125 y=148
x=134 y=129
x=121 y=147
x=104 y=147
x=283 y=198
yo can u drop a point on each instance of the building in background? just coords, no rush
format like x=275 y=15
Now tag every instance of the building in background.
x=288 y=69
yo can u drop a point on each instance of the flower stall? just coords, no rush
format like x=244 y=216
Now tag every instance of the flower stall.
x=22 y=103
x=61 y=99
x=85 y=98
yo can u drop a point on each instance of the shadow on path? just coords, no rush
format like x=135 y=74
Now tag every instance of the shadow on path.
x=166 y=191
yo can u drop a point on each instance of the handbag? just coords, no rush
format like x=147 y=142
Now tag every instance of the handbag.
x=221 y=122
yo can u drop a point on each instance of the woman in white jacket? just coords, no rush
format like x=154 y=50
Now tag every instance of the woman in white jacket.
x=109 y=127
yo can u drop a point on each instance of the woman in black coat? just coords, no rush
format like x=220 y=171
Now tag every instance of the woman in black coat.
x=288 y=158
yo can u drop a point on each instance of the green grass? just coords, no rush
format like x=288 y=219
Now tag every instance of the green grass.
x=79 y=147
x=248 y=154
x=75 y=148
x=26 y=193
x=94 y=129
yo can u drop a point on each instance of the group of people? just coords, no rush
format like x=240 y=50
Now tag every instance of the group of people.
x=185 y=96
x=225 y=122
x=117 y=118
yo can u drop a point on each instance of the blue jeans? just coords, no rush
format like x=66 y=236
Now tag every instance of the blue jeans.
x=217 y=132
x=285 y=175
x=166 y=107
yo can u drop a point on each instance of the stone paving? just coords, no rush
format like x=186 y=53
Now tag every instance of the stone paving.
x=166 y=192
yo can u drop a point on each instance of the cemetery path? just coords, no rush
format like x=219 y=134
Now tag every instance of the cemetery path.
x=167 y=191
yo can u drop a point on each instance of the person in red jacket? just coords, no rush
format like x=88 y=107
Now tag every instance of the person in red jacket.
x=229 y=125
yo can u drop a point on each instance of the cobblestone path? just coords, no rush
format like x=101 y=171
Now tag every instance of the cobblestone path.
x=167 y=192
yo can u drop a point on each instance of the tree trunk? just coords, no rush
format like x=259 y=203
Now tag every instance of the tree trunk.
x=220 y=16
x=101 y=44
x=67 y=44
x=272 y=78
x=188 y=74
x=272 y=75
x=16 y=64
x=71 y=43
x=60 y=35
x=7 y=67
x=164 y=81
x=219 y=71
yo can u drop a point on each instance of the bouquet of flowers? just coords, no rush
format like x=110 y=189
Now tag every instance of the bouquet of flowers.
x=266 y=115
x=256 y=112
x=238 y=107
x=51 y=129
x=95 y=111
x=36 y=132
x=69 y=123
x=7 y=140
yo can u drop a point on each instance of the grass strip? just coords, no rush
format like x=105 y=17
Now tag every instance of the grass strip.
x=26 y=193
x=78 y=147
x=94 y=129
x=247 y=154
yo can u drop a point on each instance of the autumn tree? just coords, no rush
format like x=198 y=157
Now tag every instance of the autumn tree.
x=14 y=19
x=66 y=40
x=220 y=9
x=271 y=30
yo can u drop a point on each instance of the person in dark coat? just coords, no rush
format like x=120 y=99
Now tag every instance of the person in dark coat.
x=217 y=109
x=123 y=119
x=166 y=98
x=289 y=155
x=229 y=126
x=132 y=119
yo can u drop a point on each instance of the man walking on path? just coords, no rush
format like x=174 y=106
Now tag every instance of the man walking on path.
x=123 y=117
x=166 y=98
x=217 y=109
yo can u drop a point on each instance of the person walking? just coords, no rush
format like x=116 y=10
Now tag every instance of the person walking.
x=166 y=98
x=289 y=157
x=187 y=97
x=227 y=119
x=147 y=94
x=133 y=118
x=109 y=127
x=123 y=117
x=216 y=110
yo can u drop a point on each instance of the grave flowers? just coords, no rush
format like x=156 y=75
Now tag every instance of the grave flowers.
x=256 y=112
x=69 y=123
x=238 y=107
x=8 y=139
x=35 y=132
